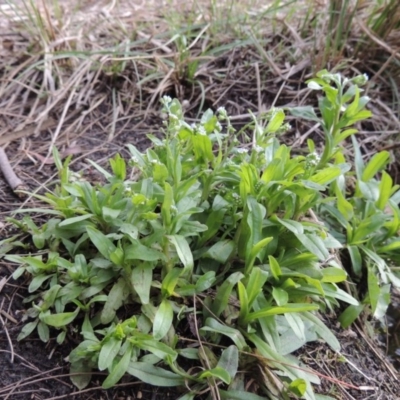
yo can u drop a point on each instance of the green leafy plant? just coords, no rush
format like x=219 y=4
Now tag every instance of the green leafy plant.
x=362 y=210
x=210 y=240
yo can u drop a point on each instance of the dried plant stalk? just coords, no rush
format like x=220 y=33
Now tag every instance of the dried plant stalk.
x=9 y=175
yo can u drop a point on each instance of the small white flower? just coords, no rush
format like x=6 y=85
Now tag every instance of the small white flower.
x=314 y=85
x=242 y=151
x=201 y=131
x=167 y=99
x=221 y=110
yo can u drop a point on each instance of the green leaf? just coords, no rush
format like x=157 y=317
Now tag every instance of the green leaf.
x=305 y=112
x=296 y=323
x=159 y=349
x=345 y=208
x=58 y=320
x=229 y=360
x=80 y=374
x=274 y=171
x=115 y=299
x=356 y=259
x=344 y=135
x=108 y=352
x=239 y=395
x=358 y=159
x=167 y=204
x=276 y=121
x=288 y=308
x=385 y=189
x=326 y=176
x=50 y=296
x=170 y=281
x=160 y=173
x=367 y=227
x=275 y=267
x=360 y=116
x=118 y=167
x=163 y=319
x=119 y=370
x=255 y=284
x=61 y=337
x=110 y=214
x=376 y=164
x=218 y=373
x=205 y=281
x=153 y=375
x=289 y=368
x=314 y=244
x=43 y=331
x=37 y=281
x=223 y=293
x=255 y=251
x=27 y=329
x=117 y=256
x=379 y=297
x=202 y=148
x=103 y=244
x=322 y=331
x=298 y=387
x=184 y=252
x=280 y=296
x=350 y=314
x=212 y=325
x=244 y=303
x=137 y=251
x=393 y=245
x=74 y=220
x=141 y=279
x=333 y=274
x=221 y=250
x=252 y=231
x=293 y=226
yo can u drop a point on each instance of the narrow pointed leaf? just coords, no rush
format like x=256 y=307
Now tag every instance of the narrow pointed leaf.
x=163 y=320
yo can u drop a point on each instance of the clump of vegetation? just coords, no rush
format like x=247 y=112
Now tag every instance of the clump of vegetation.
x=212 y=257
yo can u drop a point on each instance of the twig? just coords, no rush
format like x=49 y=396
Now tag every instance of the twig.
x=8 y=337
x=9 y=175
x=30 y=130
x=8 y=316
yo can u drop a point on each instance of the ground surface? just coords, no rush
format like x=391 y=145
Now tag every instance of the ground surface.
x=238 y=79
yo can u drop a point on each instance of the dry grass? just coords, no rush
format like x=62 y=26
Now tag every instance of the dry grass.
x=119 y=57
